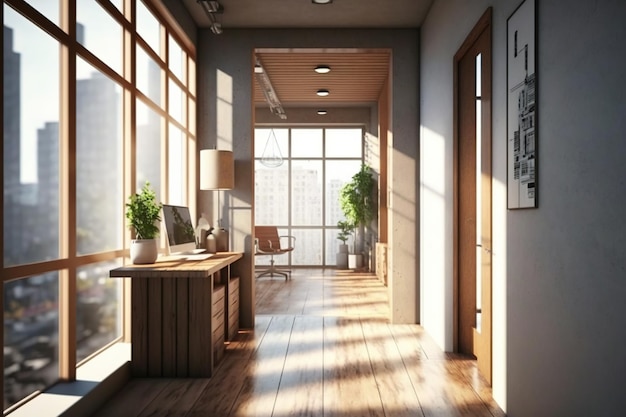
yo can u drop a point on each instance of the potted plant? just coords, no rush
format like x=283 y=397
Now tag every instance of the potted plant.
x=358 y=205
x=345 y=231
x=143 y=212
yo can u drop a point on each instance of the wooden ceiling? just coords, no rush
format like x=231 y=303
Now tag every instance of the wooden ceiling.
x=357 y=76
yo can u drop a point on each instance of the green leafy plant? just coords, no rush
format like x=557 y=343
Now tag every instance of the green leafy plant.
x=356 y=198
x=345 y=230
x=143 y=212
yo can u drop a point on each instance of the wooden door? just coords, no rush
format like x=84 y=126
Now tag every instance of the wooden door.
x=473 y=195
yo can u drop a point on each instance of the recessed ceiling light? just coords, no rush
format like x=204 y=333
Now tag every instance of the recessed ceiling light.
x=323 y=92
x=322 y=69
x=321 y=1
x=322 y=112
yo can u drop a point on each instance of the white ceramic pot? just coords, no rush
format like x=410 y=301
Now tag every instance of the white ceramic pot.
x=355 y=260
x=144 y=251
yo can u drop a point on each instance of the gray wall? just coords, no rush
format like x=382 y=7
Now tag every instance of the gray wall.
x=559 y=271
x=225 y=120
x=567 y=260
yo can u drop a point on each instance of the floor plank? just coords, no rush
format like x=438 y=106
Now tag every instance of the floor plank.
x=301 y=384
x=262 y=376
x=394 y=384
x=349 y=385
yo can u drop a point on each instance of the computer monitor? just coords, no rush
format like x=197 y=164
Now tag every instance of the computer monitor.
x=181 y=237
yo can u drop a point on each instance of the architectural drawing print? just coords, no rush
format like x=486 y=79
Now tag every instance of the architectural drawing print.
x=522 y=107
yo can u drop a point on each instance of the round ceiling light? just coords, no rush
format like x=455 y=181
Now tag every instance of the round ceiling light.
x=322 y=69
x=321 y=1
x=322 y=92
x=322 y=112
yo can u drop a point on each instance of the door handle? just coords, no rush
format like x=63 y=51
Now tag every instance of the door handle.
x=478 y=245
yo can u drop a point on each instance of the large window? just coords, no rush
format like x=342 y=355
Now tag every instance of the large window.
x=71 y=148
x=301 y=196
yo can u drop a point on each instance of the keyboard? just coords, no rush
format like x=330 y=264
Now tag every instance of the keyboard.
x=198 y=256
x=187 y=257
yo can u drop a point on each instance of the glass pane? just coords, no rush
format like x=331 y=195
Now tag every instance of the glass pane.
x=176 y=59
x=306 y=143
x=338 y=173
x=271 y=195
x=98 y=161
x=191 y=81
x=148 y=27
x=176 y=101
x=31 y=335
x=308 y=247
x=262 y=136
x=148 y=148
x=100 y=33
x=306 y=192
x=192 y=116
x=344 y=143
x=98 y=308
x=176 y=157
x=48 y=8
x=31 y=142
x=117 y=4
x=148 y=76
x=332 y=246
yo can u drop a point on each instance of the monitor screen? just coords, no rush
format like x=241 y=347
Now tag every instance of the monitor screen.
x=179 y=228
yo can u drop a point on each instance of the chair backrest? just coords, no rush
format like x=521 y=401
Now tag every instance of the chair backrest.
x=265 y=235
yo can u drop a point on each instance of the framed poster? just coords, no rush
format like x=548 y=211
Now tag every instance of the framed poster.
x=522 y=107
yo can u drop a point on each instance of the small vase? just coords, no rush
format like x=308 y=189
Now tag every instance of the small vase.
x=144 y=251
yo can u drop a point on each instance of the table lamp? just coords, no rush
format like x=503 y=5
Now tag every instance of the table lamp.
x=217 y=172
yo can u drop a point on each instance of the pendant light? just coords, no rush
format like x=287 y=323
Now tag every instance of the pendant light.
x=271 y=158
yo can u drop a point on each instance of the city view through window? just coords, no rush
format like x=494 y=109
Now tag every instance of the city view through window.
x=301 y=196
x=45 y=244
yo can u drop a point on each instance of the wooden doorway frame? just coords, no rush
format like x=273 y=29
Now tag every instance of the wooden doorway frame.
x=483 y=24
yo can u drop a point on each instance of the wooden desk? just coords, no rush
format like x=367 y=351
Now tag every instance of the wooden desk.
x=172 y=314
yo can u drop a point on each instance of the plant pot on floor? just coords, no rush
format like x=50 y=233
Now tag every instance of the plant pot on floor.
x=144 y=251
x=355 y=261
x=342 y=256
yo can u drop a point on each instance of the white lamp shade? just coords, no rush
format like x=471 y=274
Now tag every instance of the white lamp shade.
x=217 y=170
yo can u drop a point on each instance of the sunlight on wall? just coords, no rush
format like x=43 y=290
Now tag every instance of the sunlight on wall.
x=498 y=276
x=224 y=108
x=436 y=279
x=403 y=285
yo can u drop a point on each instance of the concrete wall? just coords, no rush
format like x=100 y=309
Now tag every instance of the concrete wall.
x=559 y=276
x=226 y=118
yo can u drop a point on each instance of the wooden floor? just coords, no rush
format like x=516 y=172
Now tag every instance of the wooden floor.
x=322 y=346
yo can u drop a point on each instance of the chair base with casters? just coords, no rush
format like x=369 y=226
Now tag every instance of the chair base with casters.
x=268 y=242
x=273 y=270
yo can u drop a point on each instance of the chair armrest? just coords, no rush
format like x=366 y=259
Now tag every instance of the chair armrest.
x=291 y=240
x=258 y=249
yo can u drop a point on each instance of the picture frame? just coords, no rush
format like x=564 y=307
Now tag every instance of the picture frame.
x=522 y=107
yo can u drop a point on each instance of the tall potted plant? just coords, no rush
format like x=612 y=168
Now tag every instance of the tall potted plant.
x=143 y=212
x=357 y=202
